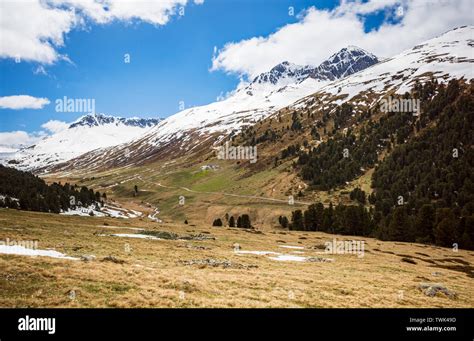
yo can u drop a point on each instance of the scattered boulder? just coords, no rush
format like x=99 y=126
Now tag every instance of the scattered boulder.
x=87 y=258
x=432 y=289
x=253 y=231
x=198 y=236
x=196 y=247
x=318 y=247
x=408 y=260
x=211 y=262
x=113 y=260
x=173 y=236
x=320 y=260
x=236 y=247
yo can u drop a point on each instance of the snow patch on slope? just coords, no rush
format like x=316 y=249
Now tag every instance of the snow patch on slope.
x=23 y=251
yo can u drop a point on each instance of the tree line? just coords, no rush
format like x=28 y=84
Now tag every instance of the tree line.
x=242 y=221
x=25 y=191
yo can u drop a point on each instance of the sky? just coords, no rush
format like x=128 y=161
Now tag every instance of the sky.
x=152 y=58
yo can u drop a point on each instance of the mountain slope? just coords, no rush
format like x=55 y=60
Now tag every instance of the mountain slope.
x=192 y=129
x=194 y=132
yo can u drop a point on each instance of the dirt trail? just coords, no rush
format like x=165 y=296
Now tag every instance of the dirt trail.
x=226 y=194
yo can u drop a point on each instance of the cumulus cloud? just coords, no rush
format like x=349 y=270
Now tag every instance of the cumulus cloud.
x=33 y=30
x=14 y=140
x=22 y=102
x=55 y=126
x=319 y=33
x=11 y=141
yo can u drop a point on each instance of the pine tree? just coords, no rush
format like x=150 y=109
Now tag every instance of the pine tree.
x=467 y=236
x=327 y=222
x=297 y=222
x=398 y=226
x=246 y=221
x=423 y=225
x=283 y=220
x=217 y=222
x=445 y=231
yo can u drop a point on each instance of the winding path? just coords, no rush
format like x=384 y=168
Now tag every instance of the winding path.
x=225 y=194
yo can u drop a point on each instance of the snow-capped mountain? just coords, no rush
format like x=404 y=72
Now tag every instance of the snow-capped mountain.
x=285 y=73
x=344 y=63
x=347 y=61
x=100 y=120
x=445 y=57
x=87 y=133
x=270 y=91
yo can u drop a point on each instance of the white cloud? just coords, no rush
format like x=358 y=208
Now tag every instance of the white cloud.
x=33 y=30
x=13 y=140
x=319 y=33
x=22 y=102
x=55 y=126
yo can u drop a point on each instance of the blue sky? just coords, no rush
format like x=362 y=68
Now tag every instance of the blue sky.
x=172 y=62
x=168 y=64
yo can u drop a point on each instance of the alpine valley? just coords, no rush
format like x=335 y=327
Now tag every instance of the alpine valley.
x=245 y=202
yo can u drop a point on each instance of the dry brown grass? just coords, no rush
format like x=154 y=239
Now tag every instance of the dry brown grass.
x=153 y=275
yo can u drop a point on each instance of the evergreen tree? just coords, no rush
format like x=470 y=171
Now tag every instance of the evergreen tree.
x=398 y=226
x=283 y=220
x=423 y=224
x=445 y=232
x=217 y=222
x=245 y=222
x=297 y=222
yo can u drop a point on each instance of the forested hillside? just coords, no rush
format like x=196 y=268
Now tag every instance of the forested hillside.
x=423 y=189
x=23 y=190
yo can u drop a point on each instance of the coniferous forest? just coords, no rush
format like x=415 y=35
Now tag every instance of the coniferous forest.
x=423 y=190
x=25 y=191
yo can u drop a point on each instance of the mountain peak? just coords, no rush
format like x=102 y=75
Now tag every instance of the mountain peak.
x=351 y=50
x=99 y=119
x=283 y=72
x=346 y=61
